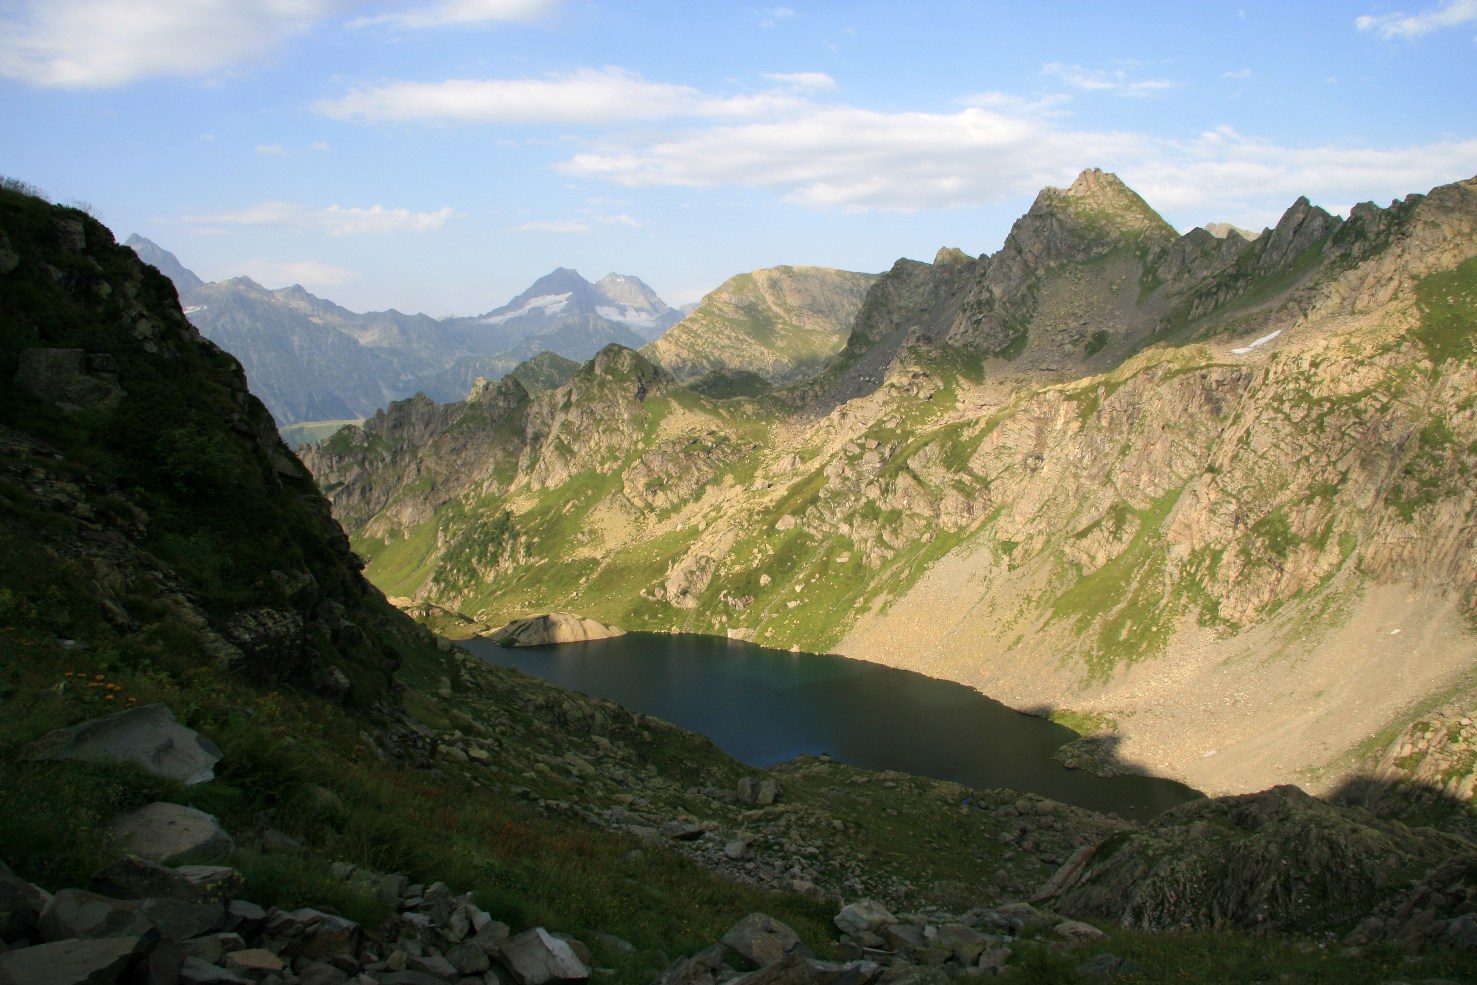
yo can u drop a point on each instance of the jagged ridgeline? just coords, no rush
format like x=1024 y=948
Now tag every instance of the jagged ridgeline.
x=146 y=494
x=1108 y=466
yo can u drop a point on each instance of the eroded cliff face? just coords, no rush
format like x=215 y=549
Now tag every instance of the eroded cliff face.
x=1191 y=484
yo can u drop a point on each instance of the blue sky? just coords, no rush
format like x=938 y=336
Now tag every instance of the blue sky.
x=439 y=155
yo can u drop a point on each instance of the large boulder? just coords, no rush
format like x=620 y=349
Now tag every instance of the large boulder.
x=76 y=962
x=137 y=878
x=167 y=833
x=760 y=940
x=148 y=736
x=536 y=956
x=553 y=627
x=78 y=913
x=863 y=915
x=21 y=905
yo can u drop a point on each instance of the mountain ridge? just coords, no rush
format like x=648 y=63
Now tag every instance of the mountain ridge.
x=1091 y=480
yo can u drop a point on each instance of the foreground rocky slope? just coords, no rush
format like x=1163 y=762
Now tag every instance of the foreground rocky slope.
x=1227 y=478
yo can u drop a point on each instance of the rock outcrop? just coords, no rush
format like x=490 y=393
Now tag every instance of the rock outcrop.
x=552 y=627
x=1262 y=863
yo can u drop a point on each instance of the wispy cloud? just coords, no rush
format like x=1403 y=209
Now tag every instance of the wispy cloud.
x=861 y=160
x=850 y=158
x=1449 y=13
x=463 y=12
x=269 y=149
x=90 y=44
x=309 y=273
x=333 y=220
x=812 y=81
x=1244 y=73
x=577 y=226
x=773 y=15
x=1114 y=80
x=588 y=96
x=560 y=226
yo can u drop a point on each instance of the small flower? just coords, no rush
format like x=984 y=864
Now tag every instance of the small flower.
x=108 y=696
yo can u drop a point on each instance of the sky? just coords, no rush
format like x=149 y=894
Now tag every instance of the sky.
x=438 y=156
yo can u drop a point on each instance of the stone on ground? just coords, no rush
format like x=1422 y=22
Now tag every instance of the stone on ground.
x=761 y=939
x=166 y=833
x=536 y=956
x=148 y=736
x=74 y=962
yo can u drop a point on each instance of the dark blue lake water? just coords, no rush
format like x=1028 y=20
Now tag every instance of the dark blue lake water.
x=765 y=706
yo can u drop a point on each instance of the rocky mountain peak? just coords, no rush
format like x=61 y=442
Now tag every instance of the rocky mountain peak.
x=1222 y=230
x=1101 y=199
x=628 y=290
x=618 y=360
x=185 y=280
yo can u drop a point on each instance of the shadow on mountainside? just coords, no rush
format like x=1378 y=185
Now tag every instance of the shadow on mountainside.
x=1411 y=801
x=1096 y=748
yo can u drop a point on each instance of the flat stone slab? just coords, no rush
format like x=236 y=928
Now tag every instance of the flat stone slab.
x=166 y=833
x=74 y=962
x=148 y=736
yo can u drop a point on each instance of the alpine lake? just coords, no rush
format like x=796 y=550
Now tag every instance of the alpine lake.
x=764 y=706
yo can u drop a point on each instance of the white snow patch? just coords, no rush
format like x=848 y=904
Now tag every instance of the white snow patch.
x=546 y=304
x=1261 y=341
x=627 y=315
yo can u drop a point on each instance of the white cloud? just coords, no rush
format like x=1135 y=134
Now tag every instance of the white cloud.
x=1244 y=73
x=859 y=160
x=562 y=226
x=1250 y=181
x=1449 y=13
x=269 y=149
x=1115 y=80
x=88 y=44
x=813 y=81
x=462 y=12
x=309 y=273
x=319 y=145
x=852 y=158
x=334 y=220
x=587 y=96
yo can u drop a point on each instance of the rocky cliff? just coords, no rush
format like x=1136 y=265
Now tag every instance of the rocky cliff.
x=1215 y=489
x=158 y=501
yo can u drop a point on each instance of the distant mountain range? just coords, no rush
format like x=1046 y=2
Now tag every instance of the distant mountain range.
x=309 y=359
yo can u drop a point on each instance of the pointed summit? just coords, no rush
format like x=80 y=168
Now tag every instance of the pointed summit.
x=1100 y=199
x=167 y=263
